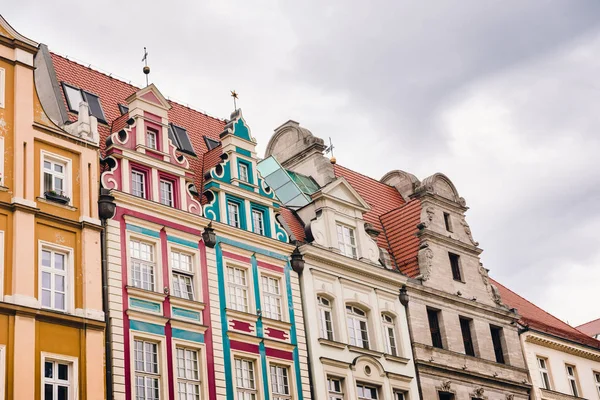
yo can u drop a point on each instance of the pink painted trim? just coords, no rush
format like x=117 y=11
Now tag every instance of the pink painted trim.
x=241 y=326
x=208 y=341
x=272 y=267
x=154 y=154
x=157 y=130
x=149 y=115
x=241 y=346
x=124 y=274
x=237 y=257
x=282 y=354
x=276 y=333
x=161 y=221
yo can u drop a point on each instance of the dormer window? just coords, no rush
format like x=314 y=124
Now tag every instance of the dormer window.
x=346 y=240
x=74 y=96
x=151 y=136
x=243 y=172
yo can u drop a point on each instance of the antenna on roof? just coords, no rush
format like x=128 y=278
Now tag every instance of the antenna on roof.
x=146 y=67
x=329 y=149
x=235 y=97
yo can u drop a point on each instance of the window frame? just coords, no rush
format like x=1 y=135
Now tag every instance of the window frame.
x=247 y=288
x=168 y=182
x=322 y=310
x=69 y=274
x=596 y=377
x=158 y=375
x=435 y=331
x=287 y=376
x=67 y=175
x=499 y=347
x=448 y=222
x=84 y=97
x=455 y=267
x=546 y=383
x=244 y=177
x=185 y=380
x=365 y=386
x=356 y=317
x=260 y=213
x=253 y=392
x=342 y=245
x=151 y=131
x=145 y=192
x=572 y=379
x=332 y=394
x=468 y=342
x=236 y=206
x=387 y=325
x=277 y=297
x=191 y=273
x=73 y=365
x=156 y=251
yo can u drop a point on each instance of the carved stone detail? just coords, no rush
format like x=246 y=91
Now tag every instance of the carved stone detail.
x=465 y=225
x=430 y=213
x=446 y=386
x=425 y=258
x=478 y=394
x=510 y=397
x=492 y=290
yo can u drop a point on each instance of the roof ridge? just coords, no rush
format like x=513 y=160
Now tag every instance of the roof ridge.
x=135 y=87
x=363 y=175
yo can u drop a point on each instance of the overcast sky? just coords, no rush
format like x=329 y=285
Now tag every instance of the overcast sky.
x=501 y=96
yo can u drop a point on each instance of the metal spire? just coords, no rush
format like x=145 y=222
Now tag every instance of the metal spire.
x=235 y=97
x=146 y=67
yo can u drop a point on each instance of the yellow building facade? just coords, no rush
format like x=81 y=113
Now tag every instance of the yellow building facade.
x=51 y=319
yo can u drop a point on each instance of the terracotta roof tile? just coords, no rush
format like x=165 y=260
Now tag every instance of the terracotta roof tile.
x=294 y=223
x=540 y=320
x=401 y=227
x=590 y=328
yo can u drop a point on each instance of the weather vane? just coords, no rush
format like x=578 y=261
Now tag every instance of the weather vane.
x=329 y=149
x=235 y=97
x=146 y=67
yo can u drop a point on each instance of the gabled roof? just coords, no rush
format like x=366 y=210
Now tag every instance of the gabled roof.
x=400 y=227
x=590 y=328
x=341 y=190
x=540 y=320
x=113 y=92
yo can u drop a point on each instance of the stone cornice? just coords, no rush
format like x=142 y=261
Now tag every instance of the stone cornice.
x=429 y=235
x=552 y=395
x=52 y=317
x=56 y=132
x=556 y=343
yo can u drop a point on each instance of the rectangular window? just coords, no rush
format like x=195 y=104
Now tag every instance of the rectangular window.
x=138 y=184
x=399 y=395
x=434 y=328
x=271 y=298
x=455 y=264
x=448 y=222
x=188 y=374
x=544 y=374
x=244 y=172
x=358 y=331
x=597 y=381
x=334 y=389
x=151 y=136
x=180 y=139
x=166 y=193
x=75 y=96
x=389 y=334
x=238 y=289
x=183 y=275
x=280 y=386
x=58 y=380
x=245 y=382
x=346 y=240
x=572 y=380
x=142 y=264
x=497 y=342
x=55 y=176
x=365 y=392
x=258 y=225
x=325 y=312
x=147 y=378
x=233 y=214
x=446 y=396
x=54 y=279
x=465 y=327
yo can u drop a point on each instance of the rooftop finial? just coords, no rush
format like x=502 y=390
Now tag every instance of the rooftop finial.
x=146 y=67
x=330 y=150
x=235 y=97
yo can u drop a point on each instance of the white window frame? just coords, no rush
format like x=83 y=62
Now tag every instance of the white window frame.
x=272 y=306
x=246 y=392
x=69 y=274
x=345 y=246
x=261 y=222
x=143 y=182
x=237 y=290
x=73 y=372
x=544 y=371
x=332 y=392
x=400 y=394
x=389 y=326
x=143 y=373
x=2 y=88
x=171 y=199
x=572 y=379
x=354 y=321
x=365 y=386
x=154 y=134
x=235 y=222
x=67 y=175
x=280 y=382
x=324 y=310
x=186 y=380
x=597 y=381
x=244 y=176
x=183 y=273
x=153 y=264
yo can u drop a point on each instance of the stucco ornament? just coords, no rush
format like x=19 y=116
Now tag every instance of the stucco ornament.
x=425 y=259
x=510 y=397
x=465 y=225
x=478 y=393
x=446 y=386
x=430 y=213
x=493 y=290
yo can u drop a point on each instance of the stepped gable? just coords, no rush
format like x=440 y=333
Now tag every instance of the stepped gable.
x=400 y=226
x=539 y=320
x=113 y=92
x=381 y=198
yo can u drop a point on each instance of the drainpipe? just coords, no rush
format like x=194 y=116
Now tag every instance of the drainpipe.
x=106 y=210
x=404 y=300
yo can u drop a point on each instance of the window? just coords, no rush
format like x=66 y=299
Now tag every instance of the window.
x=138 y=184
x=233 y=214
x=572 y=380
x=181 y=140
x=243 y=172
x=334 y=389
x=497 y=342
x=357 y=327
x=399 y=395
x=245 y=384
x=147 y=378
x=272 y=298
x=151 y=136
x=183 y=275
x=346 y=241
x=326 y=323
x=188 y=375
x=597 y=381
x=448 y=222
x=434 y=328
x=543 y=366
x=455 y=264
x=75 y=96
x=465 y=327
x=389 y=334
x=258 y=226
x=54 y=279
x=55 y=176
x=211 y=143
x=142 y=264
x=366 y=392
x=58 y=379
x=166 y=193
x=280 y=386
x=2 y=87
x=123 y=109
x=238 y=289
x=446 y=396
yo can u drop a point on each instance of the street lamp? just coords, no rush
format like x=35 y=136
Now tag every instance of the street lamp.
x=209 y=236
x=403 y=296
x=297 y=261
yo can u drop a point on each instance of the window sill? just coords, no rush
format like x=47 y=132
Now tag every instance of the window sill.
x=362 y=350
x=332 y=343
x=191 y=304
x=54 y=203
x=277 y=323
x=397 y=359
x=145 y=294
x=553 y=395
x=242 y=316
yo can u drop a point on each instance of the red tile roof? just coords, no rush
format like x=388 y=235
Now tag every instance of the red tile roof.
x=113 y=92
x=294 y=223
x=540 y=320
x=590 y=328
x=401 y=228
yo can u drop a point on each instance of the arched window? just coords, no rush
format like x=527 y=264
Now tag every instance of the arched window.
x=358 y=333
x=389 y=334
x=325 y=318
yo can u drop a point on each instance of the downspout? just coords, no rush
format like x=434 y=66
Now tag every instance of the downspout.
x=404 y=300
